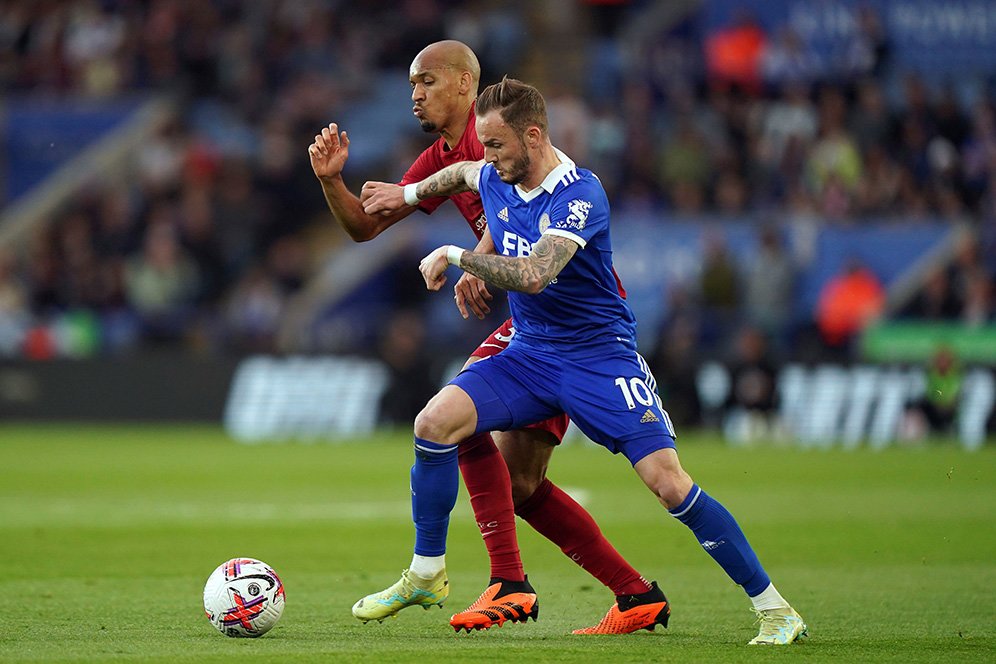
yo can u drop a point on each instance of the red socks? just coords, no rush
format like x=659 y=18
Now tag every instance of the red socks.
x=560 y=519
x=550 y=511
x=486 y=478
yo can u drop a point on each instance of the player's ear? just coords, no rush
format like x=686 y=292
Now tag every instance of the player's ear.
x=466 y=82
x=533 y=136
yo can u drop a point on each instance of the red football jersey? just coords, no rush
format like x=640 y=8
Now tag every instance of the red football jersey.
x=435 y=158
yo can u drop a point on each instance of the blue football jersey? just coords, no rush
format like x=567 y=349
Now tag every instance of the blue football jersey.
x=582 y=305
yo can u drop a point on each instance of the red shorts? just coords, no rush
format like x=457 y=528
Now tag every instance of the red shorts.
x=496 y=343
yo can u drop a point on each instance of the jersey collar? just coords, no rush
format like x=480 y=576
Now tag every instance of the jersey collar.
x=565 y=166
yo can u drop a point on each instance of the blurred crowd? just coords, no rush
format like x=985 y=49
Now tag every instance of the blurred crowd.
x=213 y=231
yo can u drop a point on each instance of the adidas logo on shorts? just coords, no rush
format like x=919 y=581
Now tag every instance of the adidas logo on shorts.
x=649 y=417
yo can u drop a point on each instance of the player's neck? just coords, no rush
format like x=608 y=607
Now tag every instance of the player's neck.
x=541 y=165
x=453 y=131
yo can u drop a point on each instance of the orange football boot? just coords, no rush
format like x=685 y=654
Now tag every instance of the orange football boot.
x=503 y=600
x=633 y=612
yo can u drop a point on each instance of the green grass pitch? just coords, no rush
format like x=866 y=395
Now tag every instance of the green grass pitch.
x=107 y=535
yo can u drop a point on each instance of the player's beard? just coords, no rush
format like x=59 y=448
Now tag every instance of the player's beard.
x=516 y=173
x=428 y=126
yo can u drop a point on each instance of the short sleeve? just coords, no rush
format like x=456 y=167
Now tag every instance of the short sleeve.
x=578 y=213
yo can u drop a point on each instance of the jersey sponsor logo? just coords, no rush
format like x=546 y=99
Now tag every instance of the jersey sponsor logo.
x=503 y=214
x=513 y=245
x=649 y=417
x=481 y=223
x=544 y=222
x=579 y=214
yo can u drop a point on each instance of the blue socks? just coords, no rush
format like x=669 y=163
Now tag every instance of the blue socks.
x=718 y=533
x=435 y=482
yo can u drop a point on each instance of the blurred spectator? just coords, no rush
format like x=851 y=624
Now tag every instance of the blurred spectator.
x=253 y=312
x=935 y=300
x=412 y=381
x=769 y=291
x=685 y=167
x=569 y=122
x=14 y=314
x=848 y=302
x=786 y=59
x=733 y=54
x=675 y=360
x=834 y=165
x=979 y=151
x=871 y=122
x=942 y=394
x=979 y=306
x=161 y=284
x=877 y=192
x=752 y=399
x=719 y=288
x=730 y=193
x=790 y=117
x=869 y=52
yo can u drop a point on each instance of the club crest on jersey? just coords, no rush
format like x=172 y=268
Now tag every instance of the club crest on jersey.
x=579 y=213
x=544 y=222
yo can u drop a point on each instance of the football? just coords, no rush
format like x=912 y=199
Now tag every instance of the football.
x=244 y=598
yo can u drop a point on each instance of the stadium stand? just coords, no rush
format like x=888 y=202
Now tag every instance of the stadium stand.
x=210 y=236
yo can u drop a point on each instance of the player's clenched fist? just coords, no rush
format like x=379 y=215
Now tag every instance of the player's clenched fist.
x=382 y=198
x=329 y=152
x=433 y=267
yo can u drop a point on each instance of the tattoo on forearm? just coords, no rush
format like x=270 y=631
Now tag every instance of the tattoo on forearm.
x=448 y=181
x=528 y=274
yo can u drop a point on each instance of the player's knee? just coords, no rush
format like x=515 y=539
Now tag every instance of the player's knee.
x=523 y=486
x=433 y=423
x=663 y=474
x=672 y=487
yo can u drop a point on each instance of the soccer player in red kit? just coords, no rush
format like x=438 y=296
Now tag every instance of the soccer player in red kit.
x=444 y=78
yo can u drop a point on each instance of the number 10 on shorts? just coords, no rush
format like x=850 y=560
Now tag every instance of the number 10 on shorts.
x=636 y=389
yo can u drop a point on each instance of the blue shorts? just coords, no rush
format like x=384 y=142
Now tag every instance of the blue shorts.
x=611 y=395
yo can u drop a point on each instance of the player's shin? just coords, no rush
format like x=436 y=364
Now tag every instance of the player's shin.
x=434 y=485
x=559 y=518
x=486 y=477
x=721 y=537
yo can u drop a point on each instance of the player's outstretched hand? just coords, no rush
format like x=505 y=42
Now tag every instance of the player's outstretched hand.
x=472 y=293
x=382 y=198
x=433 y=268
x=329 y=152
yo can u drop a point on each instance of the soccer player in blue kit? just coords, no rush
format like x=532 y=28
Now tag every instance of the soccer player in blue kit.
x=574 y=350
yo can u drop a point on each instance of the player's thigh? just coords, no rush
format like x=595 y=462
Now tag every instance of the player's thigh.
x=511 y=390
x=498 y=341
x=613 y=400
x=527 y=453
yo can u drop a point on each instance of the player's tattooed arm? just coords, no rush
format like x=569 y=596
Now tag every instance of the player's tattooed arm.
x=454 y=179
x=529 y=274
x=385 y=199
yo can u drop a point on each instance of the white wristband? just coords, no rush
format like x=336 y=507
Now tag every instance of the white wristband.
x=411 y=197
x=453 y=255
